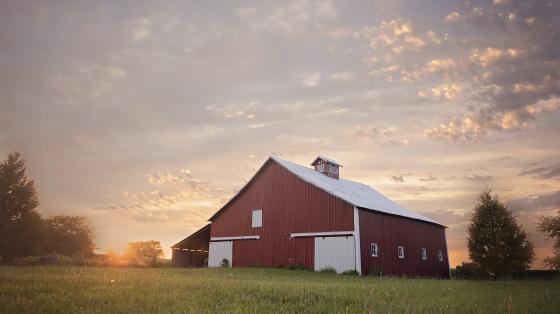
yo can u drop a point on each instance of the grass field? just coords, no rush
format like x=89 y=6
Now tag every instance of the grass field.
x=107 y=290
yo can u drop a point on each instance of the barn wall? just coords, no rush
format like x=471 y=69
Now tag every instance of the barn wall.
x=289 y=205
x=391 y=231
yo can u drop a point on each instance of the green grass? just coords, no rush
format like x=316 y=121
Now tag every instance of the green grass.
x=107 y=290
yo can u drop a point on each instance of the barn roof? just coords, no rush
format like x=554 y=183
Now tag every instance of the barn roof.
x=198 y=240
x=355 y=193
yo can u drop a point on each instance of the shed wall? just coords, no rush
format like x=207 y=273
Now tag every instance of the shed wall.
x=391 y=231
x=289 y=205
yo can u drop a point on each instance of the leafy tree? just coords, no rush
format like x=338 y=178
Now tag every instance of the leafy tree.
x=550 y=225
x=20 y=223
x=497 y=244
x=144 y=251
x=68 y=235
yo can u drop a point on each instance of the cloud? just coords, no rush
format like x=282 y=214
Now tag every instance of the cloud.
x=397 y=178
x=312 y=80
x=537 y=203
x=452 y=17
x=546 y=172
x=89 y=83
x=479 y=178
x=343 y=76
x=428 y=178
x=443 y=91
x=141 y=34
x=509 y=79
x=476 y=126
x=372 y=132
x=140 y=29
x=297 y=16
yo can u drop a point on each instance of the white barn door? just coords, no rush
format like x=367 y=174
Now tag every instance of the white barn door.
x=335 y=252
x=218 y=251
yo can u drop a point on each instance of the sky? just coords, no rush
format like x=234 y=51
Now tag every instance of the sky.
x=147 y=116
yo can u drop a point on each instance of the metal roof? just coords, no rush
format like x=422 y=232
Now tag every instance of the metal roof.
x=355 y=193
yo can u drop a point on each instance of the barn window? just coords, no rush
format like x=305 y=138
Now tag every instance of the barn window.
x=424 y=254
x=440 y=256
x=257 y=218
x=400 y=250
x=321 y=167
x=374 y=249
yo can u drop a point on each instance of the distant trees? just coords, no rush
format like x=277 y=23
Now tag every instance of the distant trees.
x=496 y=243
x=550 y=225
x=68 y=235
x=144 y=252
x=23 y=232
x=21 y=226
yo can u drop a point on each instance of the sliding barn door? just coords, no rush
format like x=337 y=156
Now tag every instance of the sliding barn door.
x=335 y=252
x=218 y=251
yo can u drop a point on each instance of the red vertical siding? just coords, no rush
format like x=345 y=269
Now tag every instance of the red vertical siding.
x=391 y=231
x=289 y=205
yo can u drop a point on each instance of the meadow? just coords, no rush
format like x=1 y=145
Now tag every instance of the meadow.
x=57 y=289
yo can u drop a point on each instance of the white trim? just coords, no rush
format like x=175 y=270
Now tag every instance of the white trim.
x=255 y=237
x=321 y=234
x=358 y=253
x=446 y=251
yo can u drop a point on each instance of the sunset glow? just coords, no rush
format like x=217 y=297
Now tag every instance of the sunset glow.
x=147 y=120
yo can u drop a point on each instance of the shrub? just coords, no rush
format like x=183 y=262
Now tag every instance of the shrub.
x=466 y=271
x=351 y=272
x=296 y=267
x=328 y=270
x=224 y=263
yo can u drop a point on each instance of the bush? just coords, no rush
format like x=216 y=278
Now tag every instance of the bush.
x=351 y=272
x=466 y=271
x=296 y=267
x=328 y=270
x=224 y=263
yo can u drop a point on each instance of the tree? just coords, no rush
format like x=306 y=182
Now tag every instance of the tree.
x=550 y=225
x=497 y=244
x=144 y=251
x=20 y=223
x=68 y=235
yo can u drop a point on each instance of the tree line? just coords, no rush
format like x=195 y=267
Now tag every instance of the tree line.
x=24 y=232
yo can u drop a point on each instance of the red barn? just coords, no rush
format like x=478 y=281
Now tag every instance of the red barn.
x=289 y=214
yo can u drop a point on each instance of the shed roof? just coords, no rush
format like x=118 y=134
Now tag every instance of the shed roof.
x=198 y=240
x=355 y=193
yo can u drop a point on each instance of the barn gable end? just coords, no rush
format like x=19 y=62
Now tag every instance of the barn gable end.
x=289 y=205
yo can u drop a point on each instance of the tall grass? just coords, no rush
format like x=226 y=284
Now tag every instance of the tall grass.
x=50 y=289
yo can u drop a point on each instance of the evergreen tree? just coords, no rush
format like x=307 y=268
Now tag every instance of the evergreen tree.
x=20 y=223
x=497 y=244
x=550 y=225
